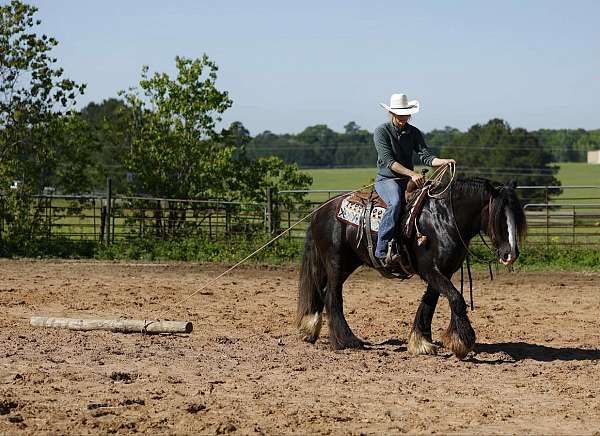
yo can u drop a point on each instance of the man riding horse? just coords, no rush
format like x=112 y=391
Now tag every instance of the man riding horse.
x=395 y=142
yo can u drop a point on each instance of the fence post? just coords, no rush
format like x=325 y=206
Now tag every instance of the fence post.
x=107 y=225
x=49 y=216
x=574 y=224
x=547 y=218
x=94 y=215
x=273 y=217
x=1 y=221
x=269 y=210
x=289 y=223
x=227 y=219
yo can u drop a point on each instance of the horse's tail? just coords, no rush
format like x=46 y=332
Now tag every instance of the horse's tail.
x=310 y=299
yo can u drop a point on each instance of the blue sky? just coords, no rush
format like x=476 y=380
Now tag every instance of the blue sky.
x=288 y=65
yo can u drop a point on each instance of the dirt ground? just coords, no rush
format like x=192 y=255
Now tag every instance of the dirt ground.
x=536 y=367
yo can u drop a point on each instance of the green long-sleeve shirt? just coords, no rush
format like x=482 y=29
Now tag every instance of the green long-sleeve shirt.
x=395 y=145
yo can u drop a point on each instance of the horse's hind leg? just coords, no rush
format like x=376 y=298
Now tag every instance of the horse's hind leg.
x=419 y=340
x=460 y=336
x=340 y=334
x=311 y=292
x=310 y=324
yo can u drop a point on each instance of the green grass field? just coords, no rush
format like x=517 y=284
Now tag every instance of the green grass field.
x=579 y=174
x=354 y=178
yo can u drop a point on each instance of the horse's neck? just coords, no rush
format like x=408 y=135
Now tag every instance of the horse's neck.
x=468 y=211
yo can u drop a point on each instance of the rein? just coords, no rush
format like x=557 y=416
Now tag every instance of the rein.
x=482 y=260
x=470 y=252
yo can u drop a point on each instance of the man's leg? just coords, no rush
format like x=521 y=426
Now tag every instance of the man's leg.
x=391 y=191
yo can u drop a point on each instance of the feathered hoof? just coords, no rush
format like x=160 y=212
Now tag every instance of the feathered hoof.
x=310 y=327
x=418 y=344
x=453 y=341
x=347 y=342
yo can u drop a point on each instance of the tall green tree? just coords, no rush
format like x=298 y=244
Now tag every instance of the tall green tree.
x=176 y=150
x=495 y=150
x=108 y=123
x=35 y=122
x=174 y=146
x=34 y=95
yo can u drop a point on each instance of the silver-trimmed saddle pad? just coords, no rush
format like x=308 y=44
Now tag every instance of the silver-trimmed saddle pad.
x=352 y=213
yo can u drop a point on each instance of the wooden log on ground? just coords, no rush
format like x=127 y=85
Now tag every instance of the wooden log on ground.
x=114 y=325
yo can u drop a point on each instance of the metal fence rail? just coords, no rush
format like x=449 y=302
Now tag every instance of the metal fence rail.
x=101 y=219
x=573 y=218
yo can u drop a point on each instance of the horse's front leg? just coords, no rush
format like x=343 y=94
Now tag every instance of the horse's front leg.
x=460 y=336
x=419 y=340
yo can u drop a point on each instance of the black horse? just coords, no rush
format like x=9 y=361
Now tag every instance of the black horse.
x=331 y=254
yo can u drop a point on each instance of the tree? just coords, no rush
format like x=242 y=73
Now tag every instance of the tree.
x=176 y=151
x=237 y=136
x=351 y=128
x=108 y=123
x=321 y=142
x=35 y=103
x=561 y=143
x=497 y=151
x=174 y=146
x=33 y=96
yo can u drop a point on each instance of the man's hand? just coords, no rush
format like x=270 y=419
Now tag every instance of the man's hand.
x=418 y=179
x=437 y=162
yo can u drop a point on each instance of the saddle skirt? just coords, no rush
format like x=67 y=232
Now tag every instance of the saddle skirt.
x=353 y=207
x=352 y=212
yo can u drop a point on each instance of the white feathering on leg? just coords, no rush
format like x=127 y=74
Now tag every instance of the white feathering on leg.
x=418 y=344
x=310 y=326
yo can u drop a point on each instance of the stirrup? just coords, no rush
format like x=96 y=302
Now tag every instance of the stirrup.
x=392 y=256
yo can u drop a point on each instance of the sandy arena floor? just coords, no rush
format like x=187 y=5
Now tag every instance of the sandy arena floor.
x=536 y=368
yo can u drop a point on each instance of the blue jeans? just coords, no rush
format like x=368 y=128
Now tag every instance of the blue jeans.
x=392 y=191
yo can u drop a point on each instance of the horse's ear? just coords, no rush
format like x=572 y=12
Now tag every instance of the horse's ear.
x=512 y=184
x=491 y=189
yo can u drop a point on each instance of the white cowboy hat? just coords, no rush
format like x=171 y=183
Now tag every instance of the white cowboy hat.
x=400 y=105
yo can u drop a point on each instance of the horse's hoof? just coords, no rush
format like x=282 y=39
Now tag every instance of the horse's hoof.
x=453 y=342
x=418 y=344
x=310 y=327
x=350 y=342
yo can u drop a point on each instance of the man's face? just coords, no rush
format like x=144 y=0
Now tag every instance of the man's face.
x=401 y=120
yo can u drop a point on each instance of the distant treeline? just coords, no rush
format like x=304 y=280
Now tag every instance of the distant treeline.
x=494 y=149
x=320 y=146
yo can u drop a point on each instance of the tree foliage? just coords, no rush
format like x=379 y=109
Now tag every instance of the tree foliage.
x=41 y=143
x=569 y=145
x=34 y=96
x=501 y=153
x=318 y=147
x=108 y=125
x=176 y=150
x=173 y=148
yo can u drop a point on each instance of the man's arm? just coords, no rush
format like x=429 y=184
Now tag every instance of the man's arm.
x=383 y=147
x=414 y=176
x=427 y=158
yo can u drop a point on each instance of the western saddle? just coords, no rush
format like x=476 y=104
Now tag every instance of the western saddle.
x=415 y=198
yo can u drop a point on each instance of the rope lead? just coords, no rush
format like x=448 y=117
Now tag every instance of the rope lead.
x=436 y=178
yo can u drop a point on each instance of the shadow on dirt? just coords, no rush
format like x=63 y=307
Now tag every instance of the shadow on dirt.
x=542 y=353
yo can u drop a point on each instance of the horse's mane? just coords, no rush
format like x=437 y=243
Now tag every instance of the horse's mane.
x=503 y=197
x=473 y=185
